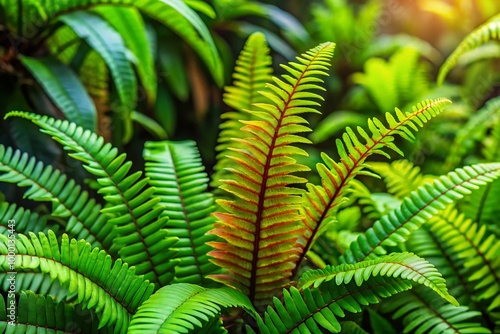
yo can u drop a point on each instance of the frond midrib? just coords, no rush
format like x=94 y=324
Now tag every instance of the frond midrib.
x=350 y=172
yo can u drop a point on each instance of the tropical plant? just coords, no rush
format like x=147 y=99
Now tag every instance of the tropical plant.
x=153 y=253
x=57 y=58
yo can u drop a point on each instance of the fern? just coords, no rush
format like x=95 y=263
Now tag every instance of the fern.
x=136 y=216
x=260 y=226
x=483 y=34
x=482 y=207
x=41 y=314
x=405 y=79
x=251 y=74
x=112 y=290
x=325 y=294
x=474 y=130
x=416 y=209
x=423 y=313
x=176 y=173
x=320 y=203
x=175 y=14
x=477 y=249
x=68 y=199
x=189 y=308
x=401 y=177
x=26 y=220
x=425 y=243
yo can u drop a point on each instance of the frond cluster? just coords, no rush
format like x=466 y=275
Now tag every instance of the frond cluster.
x=135 y=214
x=111 y=289
x=321 y=202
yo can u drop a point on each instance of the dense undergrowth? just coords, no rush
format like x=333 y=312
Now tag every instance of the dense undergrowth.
x=172 y=166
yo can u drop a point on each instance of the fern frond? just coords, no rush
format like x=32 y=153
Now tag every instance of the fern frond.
x=188 y=309
x=26 y=220
x=405 y=79
x=405 y=265
x=176 y=172
x=474 y=130
x=481 y=35
x=478 y=249
x=425 y=243
x=326 y=294
x=41 y=314
x=112 y=289
x=320 y=203
x=424 y=313
x=142 y=240
x=68 y=199
x=260 y=226
x=422 y=204
x=251 y=74
x=482 y=207
x=401 y=177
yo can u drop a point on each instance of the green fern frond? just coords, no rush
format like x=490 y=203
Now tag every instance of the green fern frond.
x=316 y=310
x=112 y=289
x=422 y=204
x=473 y=131
x=43 y=315
x=425 y=243
x=322 y=202
x=25 y=220
x=251 y=74
x=401 y=176
x=482 y=207
x=478 y=249
x=424 y=313
x=326 y=294
x=142 y=240
x=403 y=265
x=176 y=172
x=481 y=35
x=260 y=227
x=188 y=309
x=405 y=79
x=68 y=199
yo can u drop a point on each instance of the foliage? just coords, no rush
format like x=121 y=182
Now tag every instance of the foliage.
x=268 y=232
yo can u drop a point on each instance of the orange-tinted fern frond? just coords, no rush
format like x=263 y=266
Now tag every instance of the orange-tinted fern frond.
x=322 y=202
x=260 y=227
x=252 y=72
